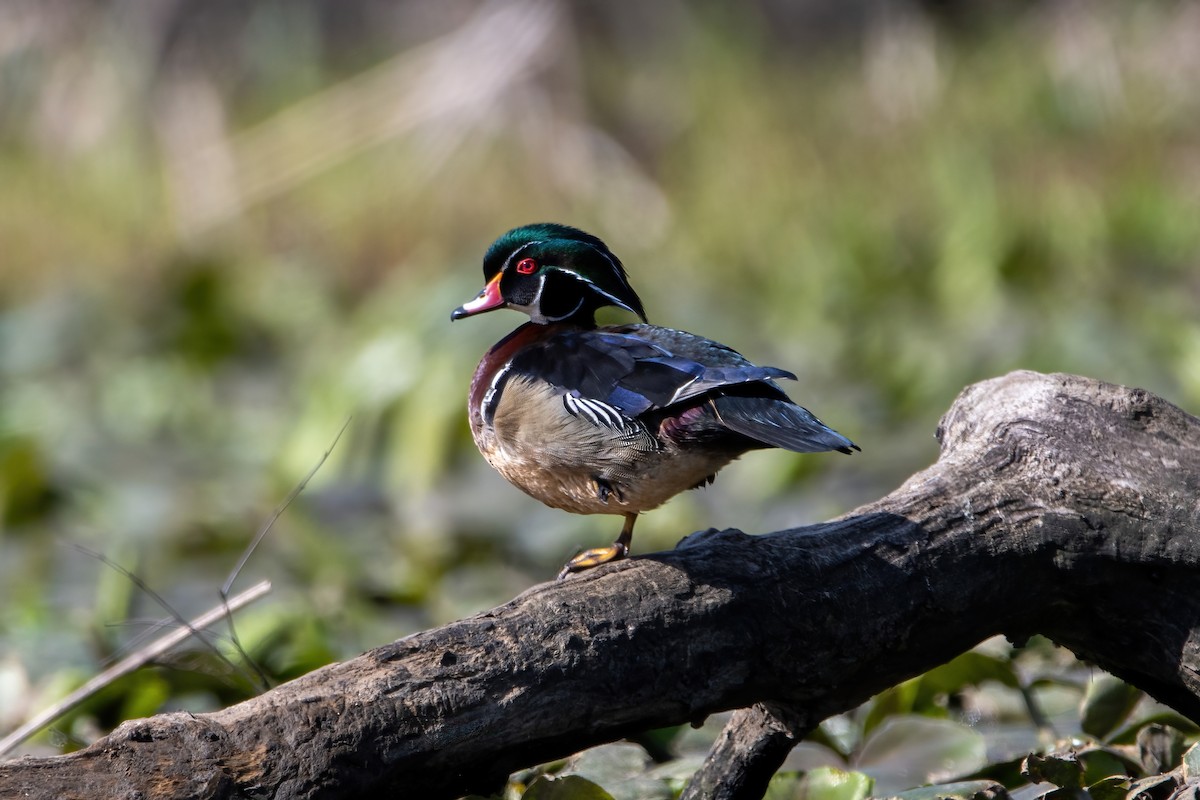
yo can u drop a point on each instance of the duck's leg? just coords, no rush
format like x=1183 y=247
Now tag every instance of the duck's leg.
x=602 y=555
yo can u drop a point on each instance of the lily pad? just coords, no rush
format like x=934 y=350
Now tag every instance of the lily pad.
x=1191 y=763
x=620 y=768
x=568 y=787
x=1114 y=787
x=907 y=751
x=1107 y=703
x=824 y=783
x=962 y=790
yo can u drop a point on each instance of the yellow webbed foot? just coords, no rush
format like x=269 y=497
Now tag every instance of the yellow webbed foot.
x=594 y=558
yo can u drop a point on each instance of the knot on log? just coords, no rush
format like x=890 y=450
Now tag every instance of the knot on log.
x=1005 y=421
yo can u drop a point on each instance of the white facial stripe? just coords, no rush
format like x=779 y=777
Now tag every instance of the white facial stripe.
x=534 y=309
x=518 y=252
x=620 y=303
x=537 y=297
x=578 y=306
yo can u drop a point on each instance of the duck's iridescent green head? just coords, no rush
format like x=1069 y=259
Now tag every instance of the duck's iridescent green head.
x=553 y=273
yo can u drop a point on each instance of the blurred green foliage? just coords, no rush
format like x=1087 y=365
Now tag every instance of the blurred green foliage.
x=227 y=233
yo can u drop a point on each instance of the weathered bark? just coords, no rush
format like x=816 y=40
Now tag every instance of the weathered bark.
x=1060 y=505
x=749 y=752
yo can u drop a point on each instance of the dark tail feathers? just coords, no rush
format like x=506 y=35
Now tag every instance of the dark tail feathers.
x=779 y=423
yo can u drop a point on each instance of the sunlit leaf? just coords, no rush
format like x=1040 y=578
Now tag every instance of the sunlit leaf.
x=621 y=769
x=969 y=669
x=1114 y=787
x=899 y=699
x=809 y=756
x=963 y=790
x=784 y=786
x=823 y=783
x=1033 y=791
x=1191 y=763
x=1128 y=735
x=907 y=751
x=568 y=787
x=838 y=733
x=676 y=773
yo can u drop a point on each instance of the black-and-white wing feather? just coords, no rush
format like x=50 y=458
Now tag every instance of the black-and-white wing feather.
x=597 y=412
x=617 y=376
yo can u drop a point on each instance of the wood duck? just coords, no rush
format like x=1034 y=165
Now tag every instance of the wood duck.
x=615 y=419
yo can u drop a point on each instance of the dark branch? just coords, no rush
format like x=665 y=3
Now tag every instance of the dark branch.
x=750 y=750
x=1060 y=505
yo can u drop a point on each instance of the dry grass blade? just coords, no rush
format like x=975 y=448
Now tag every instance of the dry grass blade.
x=131 y=663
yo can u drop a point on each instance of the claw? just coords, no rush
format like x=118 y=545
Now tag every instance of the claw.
x=602 y=555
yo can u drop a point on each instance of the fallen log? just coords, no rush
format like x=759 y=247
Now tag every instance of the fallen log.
x=1060 y=505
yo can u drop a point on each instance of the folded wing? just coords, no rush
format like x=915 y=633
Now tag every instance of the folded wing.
x=691 y=386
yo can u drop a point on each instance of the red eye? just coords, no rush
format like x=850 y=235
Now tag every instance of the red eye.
x=526 y=266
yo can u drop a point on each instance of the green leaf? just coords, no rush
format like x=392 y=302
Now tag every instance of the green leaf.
x=146 y=695
x=784 y=786
x=962 y=790
x=1107 y=702
x=1034 y=791
x=676 y=773
x=828 y=783
x=907 y=751
x=1128 y=734
x=822 y=783
x=838 y=733
x=1061 y=769
x=621 y=769
x=922 y=695
x=1101 y=762
x=569 y=787
x=1063 y=794
x=657 y=742
x=970 y=669
x=809 y=756
x=892 y=702
x=26 y=486
x=1114 y=787
x=1191 y=763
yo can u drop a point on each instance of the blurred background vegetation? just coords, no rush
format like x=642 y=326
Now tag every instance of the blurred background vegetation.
x=226 y=228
